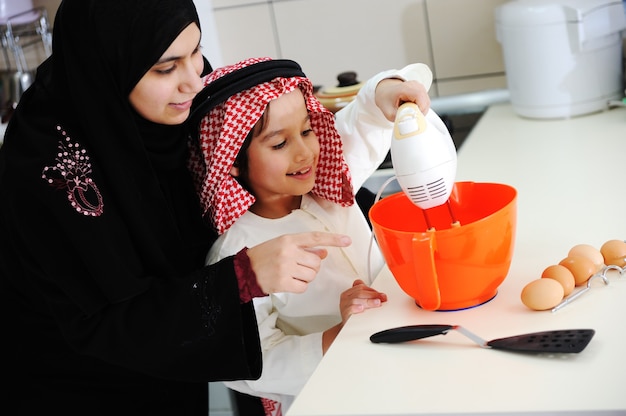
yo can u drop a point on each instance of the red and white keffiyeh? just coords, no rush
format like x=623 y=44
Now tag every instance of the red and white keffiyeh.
x=224 y=129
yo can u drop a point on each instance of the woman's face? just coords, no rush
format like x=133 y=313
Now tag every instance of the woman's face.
x=283 y=157
x=164 y=94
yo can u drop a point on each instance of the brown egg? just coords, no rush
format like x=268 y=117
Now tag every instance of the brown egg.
x=562 y=275
x=581 y=267
x=614 y=253
x=542 y=294
x=589 y=251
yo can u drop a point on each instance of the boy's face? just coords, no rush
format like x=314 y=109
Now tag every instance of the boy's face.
x=283 y=157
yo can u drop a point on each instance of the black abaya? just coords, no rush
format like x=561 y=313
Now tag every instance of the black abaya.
x=107 y=307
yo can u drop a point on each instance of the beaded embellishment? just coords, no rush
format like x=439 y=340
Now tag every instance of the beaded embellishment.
x=72 y=172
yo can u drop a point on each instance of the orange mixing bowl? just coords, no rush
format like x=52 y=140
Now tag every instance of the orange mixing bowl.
x=450 y=267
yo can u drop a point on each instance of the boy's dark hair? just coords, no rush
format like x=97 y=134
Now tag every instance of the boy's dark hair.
x=241 y=161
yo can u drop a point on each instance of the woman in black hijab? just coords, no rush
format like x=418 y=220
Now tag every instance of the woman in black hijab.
x=106 y=305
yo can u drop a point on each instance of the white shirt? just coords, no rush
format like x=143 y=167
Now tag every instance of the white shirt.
x=291 y=325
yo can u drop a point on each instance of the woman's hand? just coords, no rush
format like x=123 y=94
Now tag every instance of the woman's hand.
x=290 y=262
x=352 y=301
x=393 y=92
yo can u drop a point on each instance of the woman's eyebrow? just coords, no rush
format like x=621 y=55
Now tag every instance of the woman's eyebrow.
x=174 y=58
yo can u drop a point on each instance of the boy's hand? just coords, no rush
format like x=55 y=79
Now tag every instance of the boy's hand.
x=359 y=298
x=392 y=92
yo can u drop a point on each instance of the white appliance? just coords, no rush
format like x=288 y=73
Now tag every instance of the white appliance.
x=423 y=156
x=563 y=58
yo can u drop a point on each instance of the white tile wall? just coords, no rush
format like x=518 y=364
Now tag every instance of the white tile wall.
x=466 y=55
x=325 y=36
x=456 y=38
x=246 y=32
x=464 y=43
x=331 y=36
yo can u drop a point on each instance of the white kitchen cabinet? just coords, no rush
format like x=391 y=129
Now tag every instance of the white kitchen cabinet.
x=466 y=54
x=331 y=36
x=245 y=32
x=236 y=3
x=456 y=38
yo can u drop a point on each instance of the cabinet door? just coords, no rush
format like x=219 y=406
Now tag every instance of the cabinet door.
x=328 y=37
x=245 y=32
x=465 y=48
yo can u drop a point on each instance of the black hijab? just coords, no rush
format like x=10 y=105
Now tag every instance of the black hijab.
x=129 y=210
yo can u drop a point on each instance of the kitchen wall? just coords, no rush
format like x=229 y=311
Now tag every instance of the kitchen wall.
x=456 y=38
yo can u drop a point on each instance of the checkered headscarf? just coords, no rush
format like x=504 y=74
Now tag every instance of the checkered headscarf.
x=224 y=128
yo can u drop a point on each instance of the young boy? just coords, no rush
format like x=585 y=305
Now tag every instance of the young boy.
x=275 y=164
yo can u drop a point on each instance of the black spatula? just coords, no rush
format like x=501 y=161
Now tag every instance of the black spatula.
x=558 y=341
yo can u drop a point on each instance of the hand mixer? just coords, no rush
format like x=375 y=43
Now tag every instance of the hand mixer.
x=424 y=158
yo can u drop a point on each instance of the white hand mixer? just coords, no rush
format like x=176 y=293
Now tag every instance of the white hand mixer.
x=424 y=158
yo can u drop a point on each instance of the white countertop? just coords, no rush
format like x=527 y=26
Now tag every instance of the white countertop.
x=570 y=180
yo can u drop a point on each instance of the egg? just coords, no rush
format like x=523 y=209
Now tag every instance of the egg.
x=581 y=267
x=614 y=253
x=589 y=251
x=562 y=275
x=542 y=294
